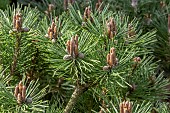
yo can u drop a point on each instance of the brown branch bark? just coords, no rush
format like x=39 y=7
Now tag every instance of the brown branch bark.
x=79 y=90
x=16 y=55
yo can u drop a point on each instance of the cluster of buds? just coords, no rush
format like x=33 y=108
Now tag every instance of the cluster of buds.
x=137 y=59
x=52 y=32
x=20 y=93
x=125 y=107
x=111 y=28
x=134 y=3
x=67 y=2
x=98 y=5
x=169 y=23
x=87 y=14
x=131 y=31
x=162 y=4
x=72 y=49
x=112 y=61
x=51 y=7
x=17 y=23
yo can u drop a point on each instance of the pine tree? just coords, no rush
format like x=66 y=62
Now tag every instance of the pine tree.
x=83 y=56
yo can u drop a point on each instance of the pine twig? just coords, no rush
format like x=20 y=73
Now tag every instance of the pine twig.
x=16 y=55
x=17 y=28
x=79 y=90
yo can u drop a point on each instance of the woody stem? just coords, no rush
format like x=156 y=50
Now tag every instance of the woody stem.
x=16 y=55
x=79 y=90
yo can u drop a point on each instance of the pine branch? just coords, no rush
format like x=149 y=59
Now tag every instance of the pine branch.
x=16 y=55
x=79 y=90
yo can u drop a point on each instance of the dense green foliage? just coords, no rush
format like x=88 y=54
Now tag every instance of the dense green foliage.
x=84 y=57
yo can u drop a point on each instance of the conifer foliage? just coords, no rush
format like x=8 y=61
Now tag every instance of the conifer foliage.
x=74 y=56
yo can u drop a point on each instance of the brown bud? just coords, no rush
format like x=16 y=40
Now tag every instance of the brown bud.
x=23 y=93
x=76 y=51
x=68 y=47
x=19 y=98
x=97 y=6
x=14 y=21
x=16 y=91
x=18 y=15
x=121 y=108
x=108 y=59
x=112 y=59
x=72 y=45
x=126 y=104
x=123 y=103
x=52 y=26
x=130 y=107
x=49 y=30
x=111 y=23
x=113 y=56
x=111 y=35
x=76 y=40
x=85 y=14
x=125 y=107
x=20 y=20
x=55 y=31
x=20 y=87
x=51 y=35
x=137 y=59
x=73 y=38
x=113 y=26
x=109 y=30
x=162 y=4
x=89 y=13
x=18 y=25
x=112 y=50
